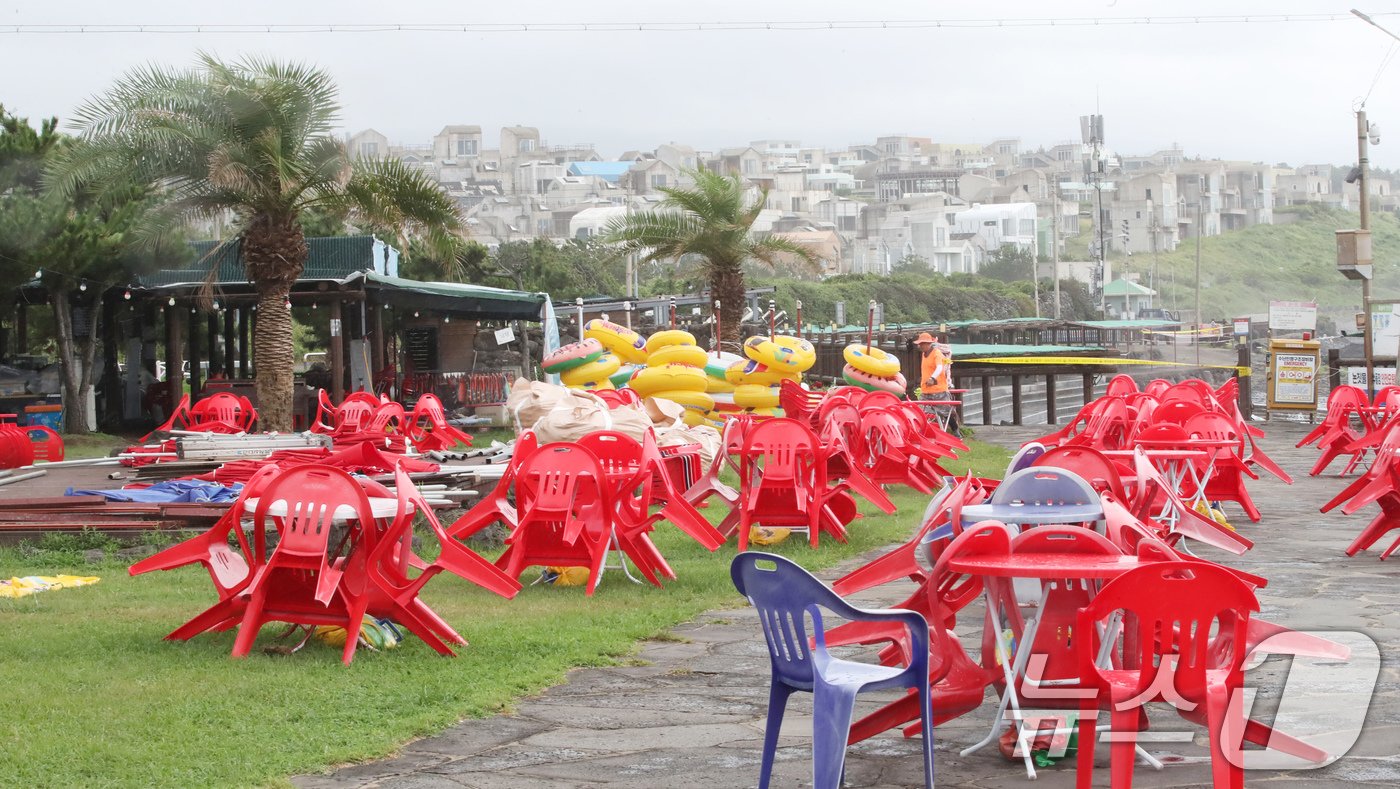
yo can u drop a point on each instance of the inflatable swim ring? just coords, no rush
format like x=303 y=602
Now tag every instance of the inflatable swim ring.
x=627 y=344
x=781 y=354
x=869 y=359
x=756 y=396
x=690 y=355
x=599 y=369
x=662 y=339
x=752 y=372
x=623 y=374
x=873 y=383
x=668 y=377
x=572 y=355
x=717 y=364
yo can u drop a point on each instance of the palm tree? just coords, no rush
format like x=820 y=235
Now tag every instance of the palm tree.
x=713 y=222
x=253 y=137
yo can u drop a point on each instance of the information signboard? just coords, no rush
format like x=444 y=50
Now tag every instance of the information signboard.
x=1293 y=315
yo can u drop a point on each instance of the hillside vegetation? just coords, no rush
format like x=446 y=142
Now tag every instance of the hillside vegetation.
x=1243 y=270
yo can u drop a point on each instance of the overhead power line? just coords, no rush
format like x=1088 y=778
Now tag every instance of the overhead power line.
x=674 y=27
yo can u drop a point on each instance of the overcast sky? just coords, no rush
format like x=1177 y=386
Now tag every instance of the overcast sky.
x=1276 y=92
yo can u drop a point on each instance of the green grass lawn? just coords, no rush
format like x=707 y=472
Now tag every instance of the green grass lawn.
x=94 y=696
x=92 y=445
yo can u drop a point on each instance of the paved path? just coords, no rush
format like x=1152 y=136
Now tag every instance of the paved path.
x=692 y=715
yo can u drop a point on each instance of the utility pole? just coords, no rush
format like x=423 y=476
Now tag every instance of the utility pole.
x=1200 y=200
x=1055 y=244
x=1363 y=131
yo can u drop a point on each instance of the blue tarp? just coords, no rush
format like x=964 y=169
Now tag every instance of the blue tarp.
x=174 y=490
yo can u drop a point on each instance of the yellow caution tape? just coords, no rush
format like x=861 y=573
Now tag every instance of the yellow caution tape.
x=1104 y=360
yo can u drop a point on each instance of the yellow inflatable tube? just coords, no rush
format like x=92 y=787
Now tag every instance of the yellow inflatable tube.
x=872 y=360
x=600 y=369
x=667 y=378
x=689 y=355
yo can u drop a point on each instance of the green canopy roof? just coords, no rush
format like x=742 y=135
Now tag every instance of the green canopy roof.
x=454 y=298
x=329 y=258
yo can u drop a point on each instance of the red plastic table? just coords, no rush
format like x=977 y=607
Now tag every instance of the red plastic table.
x=1042 y=566
x=1180 y=470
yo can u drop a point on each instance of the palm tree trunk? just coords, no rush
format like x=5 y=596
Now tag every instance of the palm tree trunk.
x=274 y=359
x=74 y=394
x=727 y=285
x=274 y=251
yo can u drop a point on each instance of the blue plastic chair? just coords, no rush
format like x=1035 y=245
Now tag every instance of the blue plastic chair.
x=1025 y=457
x=783 y=592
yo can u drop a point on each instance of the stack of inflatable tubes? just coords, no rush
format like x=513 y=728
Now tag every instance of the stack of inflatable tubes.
x=872 y=369
x=757 y=379
x=675 y=371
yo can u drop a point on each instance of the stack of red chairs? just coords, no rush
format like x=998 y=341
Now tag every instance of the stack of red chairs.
x=783 y=483
x=221 y=412
x=1335 y=435
x=307 y=580
x=22 y=445
x=570 y=504
x=1381 y=485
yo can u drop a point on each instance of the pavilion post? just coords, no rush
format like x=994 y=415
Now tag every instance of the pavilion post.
x=174 y=357
x=194 y=351
x=376 y=346
x=229 y=336
x=337 y=353
x=244 y=319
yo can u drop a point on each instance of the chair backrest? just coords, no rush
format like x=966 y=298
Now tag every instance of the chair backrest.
x=1164 y=432
x=615 y=398
x=558 y=477
x=429 y=408
x=990 y=539
x=1121 y=385
x=353 y=416
x=1025 y=457
x=617 y=452
x=879 y=399
x=218 y=407
x=1181 y=393
x=1094 y=466
x=312 y=493
x=1176 y=411
x=1215 y=427
x=1157 y=386
x=785 y=449
x=386 y=418
x=1170 y=611
x=785 y=595
x=1063 y=539
x=1043 y=485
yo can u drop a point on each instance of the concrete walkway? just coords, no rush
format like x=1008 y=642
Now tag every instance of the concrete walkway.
x=691 y=714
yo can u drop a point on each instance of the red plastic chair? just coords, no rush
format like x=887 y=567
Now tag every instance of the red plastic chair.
x=616 y=398
x=428 y=429
x=783 y=482
x=44 y=443
x=1157 y=386
x=1175 y=412
x=220 y=412
x=1227 y=480
x=229 y=570
x=393 y=595
x=180 y=415
x=497 y=506
x=890 y=453
x=566 y=515
x=1168 y=612
x=903 y=561
x=300 y=584
x=1095 y=467
x=1121 y=385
